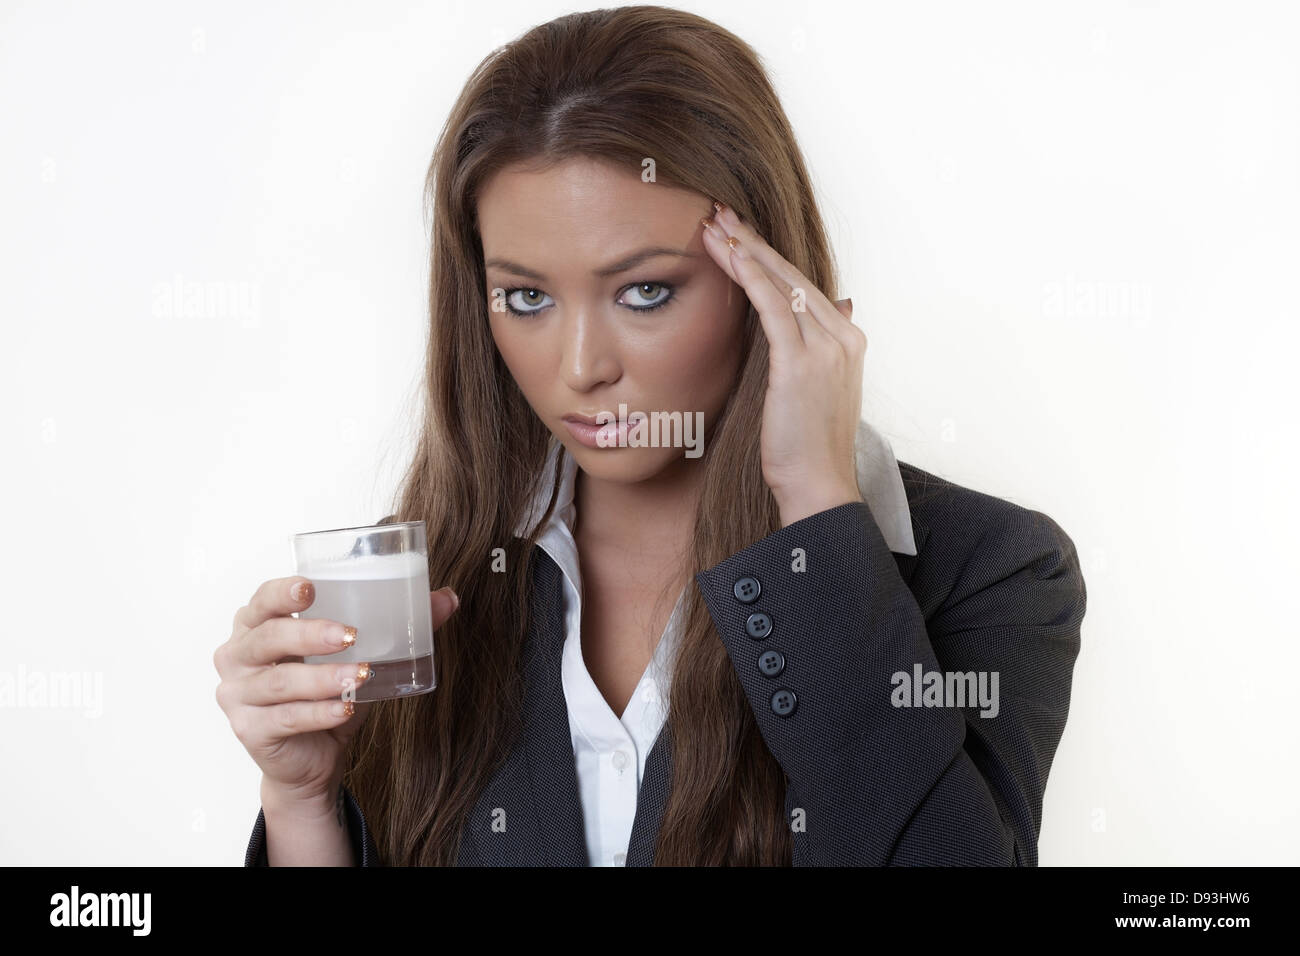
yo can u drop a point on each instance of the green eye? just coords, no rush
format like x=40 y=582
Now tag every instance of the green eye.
x=657 y=297
x=645 y=296
x=531 y=301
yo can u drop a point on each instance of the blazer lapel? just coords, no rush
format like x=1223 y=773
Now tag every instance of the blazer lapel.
x=530 y=814
x=651 y=800
x=553 y=773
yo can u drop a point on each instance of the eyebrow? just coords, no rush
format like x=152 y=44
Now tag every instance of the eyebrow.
x=624 y=264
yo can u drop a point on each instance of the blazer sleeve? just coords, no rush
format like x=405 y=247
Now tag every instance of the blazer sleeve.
x=363 y=842
x=872 y=782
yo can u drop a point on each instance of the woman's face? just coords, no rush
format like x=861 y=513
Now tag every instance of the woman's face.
x=622 y=304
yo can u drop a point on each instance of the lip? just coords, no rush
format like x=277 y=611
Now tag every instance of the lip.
x=581 y=419
x=586 y=431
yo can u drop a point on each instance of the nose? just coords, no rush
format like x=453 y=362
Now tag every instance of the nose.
x=590 y=350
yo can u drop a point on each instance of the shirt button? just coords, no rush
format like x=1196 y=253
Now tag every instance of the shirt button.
x=620 y=760
x=620 y=859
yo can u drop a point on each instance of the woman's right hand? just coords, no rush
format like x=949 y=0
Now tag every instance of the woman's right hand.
x=290 y=715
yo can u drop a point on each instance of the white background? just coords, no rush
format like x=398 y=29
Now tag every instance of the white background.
x=1069 y=230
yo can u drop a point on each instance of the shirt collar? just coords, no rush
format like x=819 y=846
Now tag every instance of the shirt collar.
x=879 y=481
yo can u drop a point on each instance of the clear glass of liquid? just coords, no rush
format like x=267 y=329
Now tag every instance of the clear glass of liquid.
x=376 y=579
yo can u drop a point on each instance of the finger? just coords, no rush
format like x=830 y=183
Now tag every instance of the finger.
x=845 y=308
x=716 y=243
x=350 y=726
x=292 y=681
x=288 y=637
x=805 y=299
x=442 y=605
x=783 y=306
x=712 y=226
x=278 y=597
x=773 y=307
x=831 y=319
x=260 y=728
x=780 y=324
x=857 y=337
x=810 y=328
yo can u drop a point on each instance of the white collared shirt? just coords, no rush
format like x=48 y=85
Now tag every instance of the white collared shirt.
x=610 y=750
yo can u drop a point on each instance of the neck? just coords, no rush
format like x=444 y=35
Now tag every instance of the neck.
x=655 y=516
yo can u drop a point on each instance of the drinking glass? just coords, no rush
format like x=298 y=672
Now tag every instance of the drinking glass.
x=375 y=578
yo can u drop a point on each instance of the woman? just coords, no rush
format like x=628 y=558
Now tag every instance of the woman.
x=622 y=218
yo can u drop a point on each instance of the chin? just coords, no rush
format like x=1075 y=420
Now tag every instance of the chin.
x=624 y=465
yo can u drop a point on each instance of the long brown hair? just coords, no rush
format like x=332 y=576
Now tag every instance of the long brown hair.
x=622 y=85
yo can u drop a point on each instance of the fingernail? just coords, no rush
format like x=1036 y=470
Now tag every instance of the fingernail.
x=353 y=672
x=717 y=205
x=735 y=247
x=349 y=636
x=343 y=709
x=706 y=222
x=300 y=591
x=455 y=599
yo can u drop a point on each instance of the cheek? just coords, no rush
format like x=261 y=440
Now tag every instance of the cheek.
x=699 y=360
x=522 y=358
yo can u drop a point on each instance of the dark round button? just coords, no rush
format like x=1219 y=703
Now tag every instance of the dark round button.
x=771 y=663
x=758 y=625
x=747 y=590
x=783 y=702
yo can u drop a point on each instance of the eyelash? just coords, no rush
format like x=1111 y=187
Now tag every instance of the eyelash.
x=671 y=290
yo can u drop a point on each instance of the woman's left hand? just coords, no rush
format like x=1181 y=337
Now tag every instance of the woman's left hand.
x=814 y=384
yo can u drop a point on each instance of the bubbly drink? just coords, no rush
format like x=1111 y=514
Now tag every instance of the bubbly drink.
x=386 y=598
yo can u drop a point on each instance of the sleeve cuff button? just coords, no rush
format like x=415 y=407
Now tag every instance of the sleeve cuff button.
x=771 y=663
x=783 y=702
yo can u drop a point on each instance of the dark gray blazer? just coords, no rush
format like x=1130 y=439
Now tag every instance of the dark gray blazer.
x=993 y=587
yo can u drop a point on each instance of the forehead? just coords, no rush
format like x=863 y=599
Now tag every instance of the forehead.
x=582 y=208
